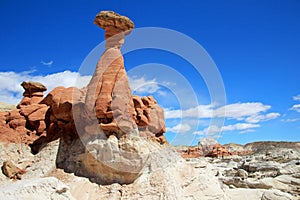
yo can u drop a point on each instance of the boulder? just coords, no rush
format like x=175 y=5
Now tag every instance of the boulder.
x=61 y=100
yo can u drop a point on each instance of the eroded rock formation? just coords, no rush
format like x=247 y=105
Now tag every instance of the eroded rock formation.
x=105 y=133
x=208 y=147
x=33 y=93
x=108 y=93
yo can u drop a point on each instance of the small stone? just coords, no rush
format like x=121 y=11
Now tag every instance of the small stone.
x=12 y=171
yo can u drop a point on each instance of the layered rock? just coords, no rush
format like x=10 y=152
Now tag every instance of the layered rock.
x=149 y=118
x=208 y=147
x=219 y=151
x=105 y=133
x=23 y=125
x=108 y=96
x=111 y=149
x=33 y=93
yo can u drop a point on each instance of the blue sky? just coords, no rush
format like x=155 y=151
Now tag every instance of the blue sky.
x=254 y=44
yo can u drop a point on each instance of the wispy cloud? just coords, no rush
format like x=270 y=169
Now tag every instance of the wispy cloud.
x=212 y=130
x=291 y=120
x=201 y=111
x=49 y=63
x=297 y=97
x=242 y=117
x=296 y=108
x=261 y=118
x=251 y=112
x=180 y=128
x=142 y=85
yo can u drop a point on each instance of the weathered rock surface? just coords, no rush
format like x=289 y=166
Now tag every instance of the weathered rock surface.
x=113 y=23
x=261 y=170
x=149 y=118
x=165 y=175
x=108 y=96
x=33 y=93
x=36 y=189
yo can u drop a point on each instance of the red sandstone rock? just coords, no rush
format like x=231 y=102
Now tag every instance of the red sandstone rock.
x=39 y=114
x=28 y=110
x=32 y=87
x=209 y=148
x=106 y=103
x=192 y=152
x=17 y=122
x=149 y=118
x=219 y=151
x=14 y=114
x=108 y=93
x=61 y=100
x=33 y=93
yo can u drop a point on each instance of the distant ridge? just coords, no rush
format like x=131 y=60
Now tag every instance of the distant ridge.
x=263 y=146
x=4 y=107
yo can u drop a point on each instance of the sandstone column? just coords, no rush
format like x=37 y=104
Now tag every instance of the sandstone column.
x=108 y=93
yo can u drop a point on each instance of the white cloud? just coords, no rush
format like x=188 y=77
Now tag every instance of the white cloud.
x=247 y=116
x=141 y=85
x=290 y=120
x=47 y=63
x=201 y=111
x=236 y=111
x=260 y=118
x=180 y=128
x=240 y=110
x=239 y=127
x=213 y=130
x=202 y=133
x=11 y=90
x=297 y=97
x=247 y=131
x=296 y=108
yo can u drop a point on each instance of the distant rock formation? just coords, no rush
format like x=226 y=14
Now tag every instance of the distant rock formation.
x=208 y=147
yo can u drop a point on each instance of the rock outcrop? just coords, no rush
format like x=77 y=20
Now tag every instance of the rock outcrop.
x=208 y=147
x=219 y=151
x=108 y=96
x=150 y=118
x=105 y=133
x=33 y=93
x=113 y=144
